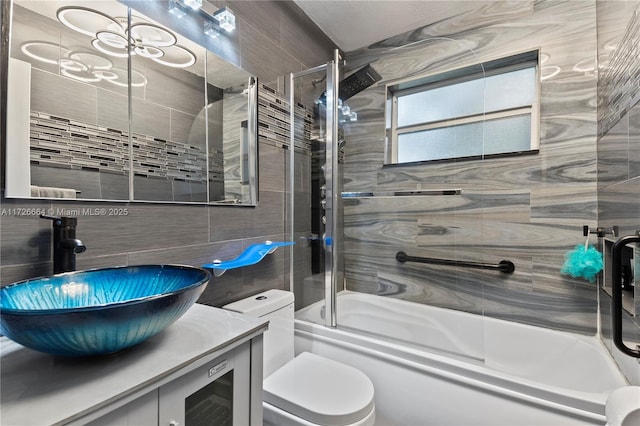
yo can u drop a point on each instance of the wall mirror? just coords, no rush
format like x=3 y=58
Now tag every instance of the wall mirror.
x=171 y=122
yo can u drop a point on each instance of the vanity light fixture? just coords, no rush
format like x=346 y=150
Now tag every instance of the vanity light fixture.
x=212 y=28
x=177 y=9
x=222 y=19
x=193 y=4
x=226 y=19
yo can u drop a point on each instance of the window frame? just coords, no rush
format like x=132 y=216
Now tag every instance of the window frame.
x=424 y=83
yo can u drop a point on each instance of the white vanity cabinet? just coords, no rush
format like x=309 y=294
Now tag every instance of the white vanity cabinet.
x=216 y=393
x=204 y=369
x=139 y=412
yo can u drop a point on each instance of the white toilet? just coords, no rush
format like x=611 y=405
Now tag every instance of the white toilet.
x=623 y=407
x=308 y=389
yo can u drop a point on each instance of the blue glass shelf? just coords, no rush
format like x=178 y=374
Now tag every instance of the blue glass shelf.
x=250 y=256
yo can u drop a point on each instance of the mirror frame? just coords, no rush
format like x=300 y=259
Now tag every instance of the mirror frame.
x=223 y=48
x=5 y=31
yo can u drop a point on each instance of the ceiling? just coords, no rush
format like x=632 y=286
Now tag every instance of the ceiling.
x=353 y=24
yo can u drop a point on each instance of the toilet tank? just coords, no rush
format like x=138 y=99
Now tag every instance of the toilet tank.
x=277 y=307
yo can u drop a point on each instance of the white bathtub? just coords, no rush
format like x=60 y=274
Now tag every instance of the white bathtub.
x=510 y=373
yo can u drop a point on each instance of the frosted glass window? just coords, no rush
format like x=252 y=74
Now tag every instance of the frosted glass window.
x=441 y=103
x=503 y=135
x=463 y=113
x=493 y=93
x=510 y=90
x=437 y=144
x=511 y=134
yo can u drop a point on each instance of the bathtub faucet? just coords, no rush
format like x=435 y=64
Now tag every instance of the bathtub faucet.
x=65 y=243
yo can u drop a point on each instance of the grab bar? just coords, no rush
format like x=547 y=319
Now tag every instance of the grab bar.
x=505 y=266
x=616 y=299
x=403 y=193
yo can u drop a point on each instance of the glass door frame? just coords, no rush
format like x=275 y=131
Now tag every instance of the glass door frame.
x=328 y=240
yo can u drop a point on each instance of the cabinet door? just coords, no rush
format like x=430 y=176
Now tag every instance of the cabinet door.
x=215 y=393
x=139 y=412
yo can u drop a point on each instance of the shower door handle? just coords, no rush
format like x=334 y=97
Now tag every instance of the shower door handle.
x=616 y=300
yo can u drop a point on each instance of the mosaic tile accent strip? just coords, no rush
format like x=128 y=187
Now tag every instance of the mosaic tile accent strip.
x=64 y=143
x=620 y=82
x=273 y=120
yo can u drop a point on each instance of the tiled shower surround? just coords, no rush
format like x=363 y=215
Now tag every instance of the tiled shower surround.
x=528 y=209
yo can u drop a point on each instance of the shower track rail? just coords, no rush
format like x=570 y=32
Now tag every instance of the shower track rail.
x=504 y=266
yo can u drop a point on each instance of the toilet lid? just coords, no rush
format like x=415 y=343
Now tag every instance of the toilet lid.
x=320 y=390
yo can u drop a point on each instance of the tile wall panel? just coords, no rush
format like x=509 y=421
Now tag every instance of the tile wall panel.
x=88 y=184
x=50 y=93
x=269 y=56
x=150 y=119
x=186 y=87
x=529 y=209
x=114 y=187
x=187 y=128
x=112 y=110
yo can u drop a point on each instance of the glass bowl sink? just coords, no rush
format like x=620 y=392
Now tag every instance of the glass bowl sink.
x=98 y=311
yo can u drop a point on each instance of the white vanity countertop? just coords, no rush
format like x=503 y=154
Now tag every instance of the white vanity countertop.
x=41 y=389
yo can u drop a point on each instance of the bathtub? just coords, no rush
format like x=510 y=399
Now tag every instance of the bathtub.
x=454 y=368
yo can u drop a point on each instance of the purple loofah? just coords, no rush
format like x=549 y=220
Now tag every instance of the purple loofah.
x=582 y=262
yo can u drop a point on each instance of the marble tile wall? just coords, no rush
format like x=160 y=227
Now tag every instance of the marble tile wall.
x=527 y=209
x=619 y=151
x=272 y=39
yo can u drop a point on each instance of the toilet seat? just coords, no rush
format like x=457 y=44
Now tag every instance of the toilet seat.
x=320 y=390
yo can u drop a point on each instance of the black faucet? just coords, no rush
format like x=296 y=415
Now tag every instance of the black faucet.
x=65 y=243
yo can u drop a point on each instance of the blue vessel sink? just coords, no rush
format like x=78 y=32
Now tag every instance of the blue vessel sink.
x=98 y=311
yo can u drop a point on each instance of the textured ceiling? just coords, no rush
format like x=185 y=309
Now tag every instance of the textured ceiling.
x=353 y=24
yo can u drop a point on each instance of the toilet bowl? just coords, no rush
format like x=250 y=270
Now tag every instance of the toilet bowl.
x=307 y=389
x=623 y=407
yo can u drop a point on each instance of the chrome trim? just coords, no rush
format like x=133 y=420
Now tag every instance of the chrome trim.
x=253 y=154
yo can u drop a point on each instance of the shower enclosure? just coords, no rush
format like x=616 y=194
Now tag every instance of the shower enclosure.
x=325 y=262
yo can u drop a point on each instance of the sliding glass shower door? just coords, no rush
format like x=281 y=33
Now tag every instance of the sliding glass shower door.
x=314 y=189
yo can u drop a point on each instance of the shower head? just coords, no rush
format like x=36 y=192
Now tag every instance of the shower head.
x=357 y=82
x=353 y=84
